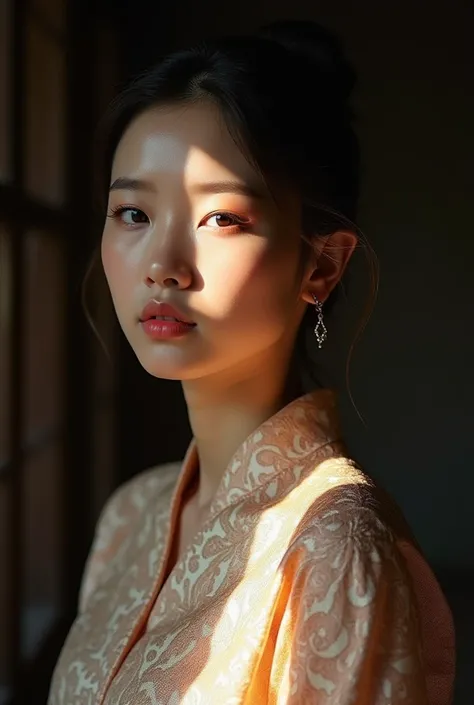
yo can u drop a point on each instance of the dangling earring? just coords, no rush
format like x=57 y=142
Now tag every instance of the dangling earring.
x=320 y=331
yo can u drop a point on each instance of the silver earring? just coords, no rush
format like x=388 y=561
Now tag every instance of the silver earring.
x=320 y=331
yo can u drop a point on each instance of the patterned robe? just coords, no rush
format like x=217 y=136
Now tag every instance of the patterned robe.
x=303 y=586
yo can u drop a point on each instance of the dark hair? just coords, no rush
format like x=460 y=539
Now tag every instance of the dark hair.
x=284 y=95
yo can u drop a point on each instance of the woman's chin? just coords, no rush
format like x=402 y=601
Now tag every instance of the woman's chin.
x=163 y=371
x=167 y=367
x=162 y=375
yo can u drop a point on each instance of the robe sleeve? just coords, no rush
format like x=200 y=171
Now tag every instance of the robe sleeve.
x=120 y=520
x=99 y=552
x=349 y=633
x=112 y=532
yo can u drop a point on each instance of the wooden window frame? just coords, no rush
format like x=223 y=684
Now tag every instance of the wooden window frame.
x=20 y=214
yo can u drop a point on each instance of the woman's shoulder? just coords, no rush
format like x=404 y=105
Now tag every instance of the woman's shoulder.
x=144 y=488
x=343 y=490
x=351 y=528
x=354 y=533
x=129 y=502
x=343 y=505
x=348 y=518
x=147 y=493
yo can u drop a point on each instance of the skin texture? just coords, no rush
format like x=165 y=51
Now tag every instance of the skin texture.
x=238 y=277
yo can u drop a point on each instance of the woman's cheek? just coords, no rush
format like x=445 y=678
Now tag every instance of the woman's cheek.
x=231 y=273
x=247 y=286
x=116 y=272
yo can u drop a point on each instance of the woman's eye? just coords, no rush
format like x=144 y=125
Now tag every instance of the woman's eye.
x=130 y=216
x=224 y=220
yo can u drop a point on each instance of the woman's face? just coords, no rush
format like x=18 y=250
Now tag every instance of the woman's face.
x=191 y=224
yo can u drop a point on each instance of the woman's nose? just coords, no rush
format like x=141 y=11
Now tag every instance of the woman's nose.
x=177 y=276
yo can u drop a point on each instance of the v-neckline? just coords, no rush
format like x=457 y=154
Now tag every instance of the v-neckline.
x=185 y=526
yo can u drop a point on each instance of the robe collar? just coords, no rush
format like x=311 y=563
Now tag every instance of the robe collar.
x=283 y=441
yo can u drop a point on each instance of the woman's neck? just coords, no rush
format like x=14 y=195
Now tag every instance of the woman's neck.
x=223 y=414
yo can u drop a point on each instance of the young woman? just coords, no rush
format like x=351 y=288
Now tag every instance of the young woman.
x=265 y=568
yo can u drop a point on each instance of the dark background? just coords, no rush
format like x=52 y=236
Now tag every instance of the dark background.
x=74 y=424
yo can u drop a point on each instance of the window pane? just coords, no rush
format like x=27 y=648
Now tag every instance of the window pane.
x=54 y=11
x=5 y=326
x=43 y=321
x=45 y=112
x=104 y=456
x=42 y=501
x=5 y=68
x=5 y=572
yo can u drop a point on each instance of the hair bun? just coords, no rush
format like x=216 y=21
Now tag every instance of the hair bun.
x=319 y=47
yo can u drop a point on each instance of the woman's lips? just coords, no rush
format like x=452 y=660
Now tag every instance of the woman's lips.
x=165 y=313
x=161 y=321
x=163 y=329
x=160 y=310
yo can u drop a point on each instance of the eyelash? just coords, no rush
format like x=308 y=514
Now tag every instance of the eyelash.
x=240 y=224
x=118 y=211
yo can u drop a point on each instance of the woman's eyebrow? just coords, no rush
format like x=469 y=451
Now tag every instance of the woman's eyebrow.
x=123 y=183
x=228 y=186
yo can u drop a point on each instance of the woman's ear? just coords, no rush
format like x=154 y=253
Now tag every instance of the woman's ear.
x=331 y=256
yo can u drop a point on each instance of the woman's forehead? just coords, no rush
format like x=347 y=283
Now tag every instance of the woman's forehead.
x=173 y=137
